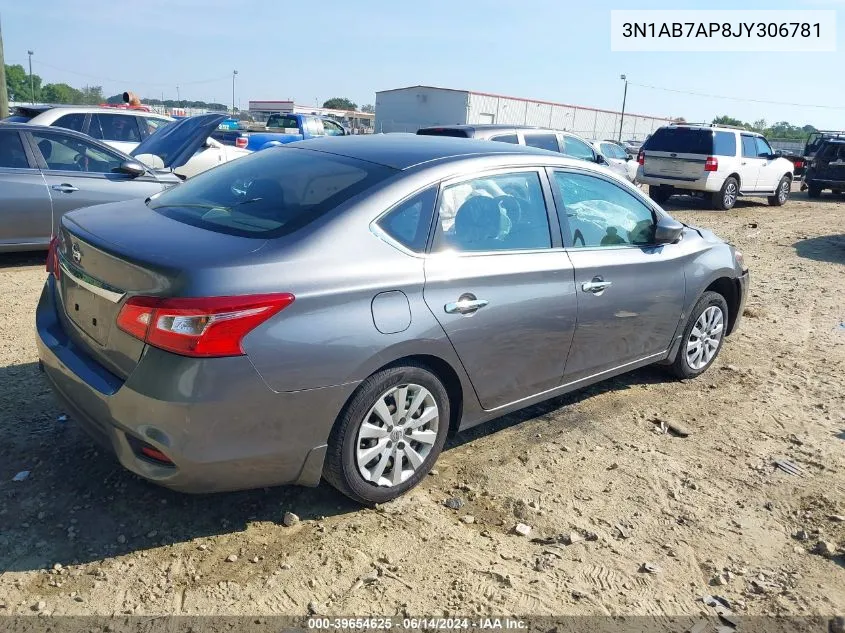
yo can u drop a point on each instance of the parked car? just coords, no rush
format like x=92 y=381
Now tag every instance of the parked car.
x=123 y=130
x=617 y=158
x=632 y=146
x=46 y=172
x=197 y=333
x=815 y=140
x=280 y=130
x=827 y=169
x=564 y=143
x=797 y=161
x=717 y=162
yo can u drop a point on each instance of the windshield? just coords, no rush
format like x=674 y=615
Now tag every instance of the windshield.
x=270 y=193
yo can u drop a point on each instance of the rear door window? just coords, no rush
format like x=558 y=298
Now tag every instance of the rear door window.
x=506 y=138
x=578 y=149
x=71 y=122
x=12 y=154
x=724 y=144
x=681 y=140
x=749 y=147
x=151 y=124
x=543 y=141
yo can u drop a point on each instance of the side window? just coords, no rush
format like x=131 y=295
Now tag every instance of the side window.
x=600 y=213
x=501 y=212
x=332 y=129
x=578 y=149
x=121 y=128
x=724 y=144
x=542 y=141
x=152 y=125
x=749 y=147
x=71 y=122
x=506 y=138
x=609 y=150
x=12 y=154
x=314 y=127
x=409 y=222
x=763 y=147
x=67 y=153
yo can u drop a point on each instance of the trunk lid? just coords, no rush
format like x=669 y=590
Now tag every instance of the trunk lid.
x=177 y=142
x=111 y=252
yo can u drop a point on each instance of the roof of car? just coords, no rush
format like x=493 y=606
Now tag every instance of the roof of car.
x=42 y=108
x=33 y=127
x=401 y=151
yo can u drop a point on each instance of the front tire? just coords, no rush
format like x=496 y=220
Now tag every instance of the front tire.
x=725 y=198
x=781 y=193
x=389 y=435
x=703 y=336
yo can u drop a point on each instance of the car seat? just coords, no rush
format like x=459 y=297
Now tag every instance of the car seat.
x=477 y=224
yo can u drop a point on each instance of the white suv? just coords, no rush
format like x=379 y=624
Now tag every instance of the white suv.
x=122 y=129
x=717 y=162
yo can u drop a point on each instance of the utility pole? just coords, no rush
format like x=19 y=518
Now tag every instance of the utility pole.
x=234 y=74
x=31 y=83
x=624 y=97
x=4 y=96
x=178 y=98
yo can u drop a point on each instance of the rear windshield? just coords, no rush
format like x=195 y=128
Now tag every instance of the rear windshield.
x=269 y=193
x=680 y=140
x=283 y=121
x=16 y=119
x=443 y=131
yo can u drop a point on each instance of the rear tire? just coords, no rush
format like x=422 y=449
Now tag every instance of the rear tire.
x=659 y=193
x=705 y=331
x=813 y=190
x=357 y=455
x=781 y=193
x=725 y=198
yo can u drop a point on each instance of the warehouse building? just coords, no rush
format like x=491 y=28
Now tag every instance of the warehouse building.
x=408 y=109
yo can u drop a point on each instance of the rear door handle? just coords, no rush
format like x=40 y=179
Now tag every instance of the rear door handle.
x=64 y=188
x=596 y=286
x=465 y=306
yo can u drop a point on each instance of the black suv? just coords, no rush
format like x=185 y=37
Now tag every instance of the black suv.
x=826 y=170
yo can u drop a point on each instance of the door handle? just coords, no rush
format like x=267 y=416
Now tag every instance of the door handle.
x=596 y=286
x=64 y=188
x=465 y=306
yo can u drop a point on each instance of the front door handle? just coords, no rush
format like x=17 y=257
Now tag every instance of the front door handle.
x=64 y=188
x=596 y=286
x=465 y=306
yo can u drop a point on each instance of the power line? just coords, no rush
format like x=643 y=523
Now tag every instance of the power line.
x=712 y=96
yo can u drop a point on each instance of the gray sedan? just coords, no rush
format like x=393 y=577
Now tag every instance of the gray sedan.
x=336 y=307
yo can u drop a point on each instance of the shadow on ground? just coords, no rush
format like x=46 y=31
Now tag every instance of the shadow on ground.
x=10 y=261
x=827 y=248
x=80 y=505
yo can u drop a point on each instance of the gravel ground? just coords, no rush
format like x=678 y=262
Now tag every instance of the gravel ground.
x=625 y=519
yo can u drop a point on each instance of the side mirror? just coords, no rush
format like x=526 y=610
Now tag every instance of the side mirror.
x=601 y=159
x=667 y=230
x=132 y=168
x=628 y=156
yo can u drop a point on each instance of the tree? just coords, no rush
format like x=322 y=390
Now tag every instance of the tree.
x=92 y=95
x=727 y=120
x=60 y=93
x=18 y=85
x=340 y=103
x=760 y=124
x=368 y=108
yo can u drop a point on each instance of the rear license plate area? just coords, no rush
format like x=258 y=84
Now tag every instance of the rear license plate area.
x=87 y=311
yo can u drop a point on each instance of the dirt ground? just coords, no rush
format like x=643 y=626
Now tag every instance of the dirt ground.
x=657 y=520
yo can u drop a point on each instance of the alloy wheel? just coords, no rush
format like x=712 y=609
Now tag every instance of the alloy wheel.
x=397 y=435
x=704 y=339
x=783 y=192
x=730 y=195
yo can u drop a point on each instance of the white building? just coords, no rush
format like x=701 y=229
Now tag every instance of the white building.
x=408 y=109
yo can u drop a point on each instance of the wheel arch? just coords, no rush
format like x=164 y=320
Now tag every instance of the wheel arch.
x=727 y=287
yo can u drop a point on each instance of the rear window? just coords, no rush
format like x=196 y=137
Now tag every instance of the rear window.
x=724 y=144
x=283 y=121
x=681 y=140
x=270 y=193
x=443 y=131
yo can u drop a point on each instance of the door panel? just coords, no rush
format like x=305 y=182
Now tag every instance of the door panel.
x=630 y=293
x=503 y=295
x=750 y=164
x=770 y=172
x=25 y=210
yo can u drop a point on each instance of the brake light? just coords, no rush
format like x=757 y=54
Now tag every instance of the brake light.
x=53 y=258
x=199 y=326
x=799 y=164
x=641 y=157
x=241 y=142
x=711 y=164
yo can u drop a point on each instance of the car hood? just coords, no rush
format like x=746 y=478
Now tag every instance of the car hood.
x=174 y=144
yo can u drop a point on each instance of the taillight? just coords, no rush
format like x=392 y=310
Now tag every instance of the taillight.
x=199 y=326
x=53 y=258
x=241 y=142
x=711 y=164
x=799 y=164
x=641 y=157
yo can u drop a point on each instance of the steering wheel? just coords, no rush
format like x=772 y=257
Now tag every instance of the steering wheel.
x=511 y=206
x=81 y=161
x=578 y=235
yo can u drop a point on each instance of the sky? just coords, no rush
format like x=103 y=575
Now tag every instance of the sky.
x=552 y=50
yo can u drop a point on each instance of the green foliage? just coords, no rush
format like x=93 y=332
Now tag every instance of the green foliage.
x=780 y=130
x=18 y=85
x=370 y=108
x=340 y=103
x=60 y=93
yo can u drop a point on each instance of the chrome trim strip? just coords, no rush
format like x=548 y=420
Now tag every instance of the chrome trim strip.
x=90 y=284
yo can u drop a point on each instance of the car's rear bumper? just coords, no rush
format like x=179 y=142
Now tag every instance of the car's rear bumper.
x=215 y=419
x=708 y=183
x=826 y=183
